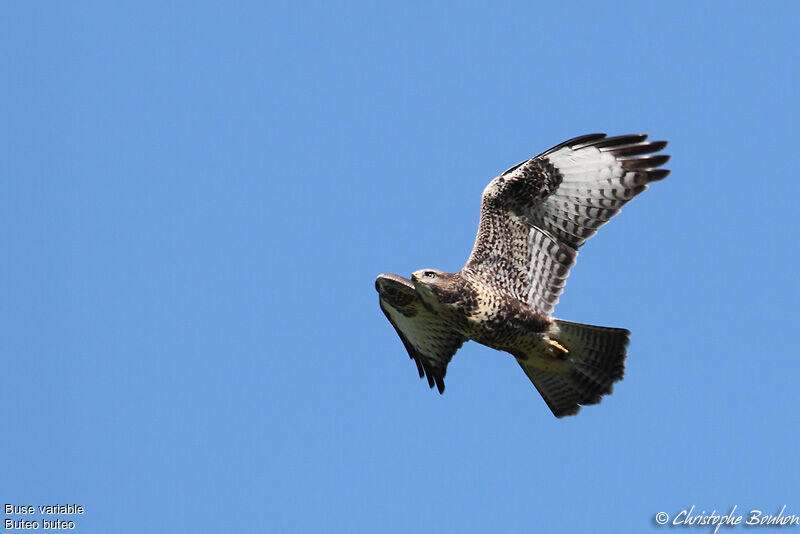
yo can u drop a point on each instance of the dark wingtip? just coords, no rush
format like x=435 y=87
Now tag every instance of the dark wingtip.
x=587 y=138
x=440 y=385
x=619 y=140
x=658 y=174
x=419 y=366
x=635 y=149
x=429 y=376
x=647 y=162
x=581 y=139
x=566 y=412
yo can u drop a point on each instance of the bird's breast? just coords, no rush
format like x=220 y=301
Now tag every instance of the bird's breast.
x=506 y=324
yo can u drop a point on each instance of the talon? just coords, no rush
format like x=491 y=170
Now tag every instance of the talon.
x=559 y=346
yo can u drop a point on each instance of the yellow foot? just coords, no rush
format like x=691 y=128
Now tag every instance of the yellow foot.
x=557 y=345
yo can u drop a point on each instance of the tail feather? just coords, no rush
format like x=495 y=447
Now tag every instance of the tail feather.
x=593 y=362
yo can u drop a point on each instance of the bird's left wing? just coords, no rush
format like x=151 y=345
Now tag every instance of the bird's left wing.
x=430 y=342
x=536 y=215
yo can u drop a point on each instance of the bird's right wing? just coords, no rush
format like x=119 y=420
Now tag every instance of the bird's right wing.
x=536 y=215
x=430 y=342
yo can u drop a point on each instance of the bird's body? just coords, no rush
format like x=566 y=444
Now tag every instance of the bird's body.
x=483 y=312
x=534 y=217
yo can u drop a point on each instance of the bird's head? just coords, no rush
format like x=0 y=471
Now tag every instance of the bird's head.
x=434 y=286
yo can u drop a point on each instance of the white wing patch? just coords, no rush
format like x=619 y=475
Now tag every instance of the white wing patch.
x=596 y=181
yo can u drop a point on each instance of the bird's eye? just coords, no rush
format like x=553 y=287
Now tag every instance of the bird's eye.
x=430 y=274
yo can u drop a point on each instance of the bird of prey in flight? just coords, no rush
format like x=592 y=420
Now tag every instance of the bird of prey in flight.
x=534 y=218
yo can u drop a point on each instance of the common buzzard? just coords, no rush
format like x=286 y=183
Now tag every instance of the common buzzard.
x=534 y=217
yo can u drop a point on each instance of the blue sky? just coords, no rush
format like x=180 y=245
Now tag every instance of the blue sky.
x=197 y=198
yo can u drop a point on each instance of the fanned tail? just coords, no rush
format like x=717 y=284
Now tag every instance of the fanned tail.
x=581 y=367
